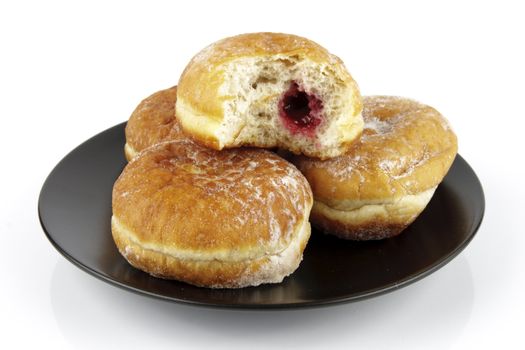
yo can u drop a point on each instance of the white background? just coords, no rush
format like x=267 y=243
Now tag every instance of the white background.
x=69 y=70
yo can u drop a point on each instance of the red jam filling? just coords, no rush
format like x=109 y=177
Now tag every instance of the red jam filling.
x=300 y=111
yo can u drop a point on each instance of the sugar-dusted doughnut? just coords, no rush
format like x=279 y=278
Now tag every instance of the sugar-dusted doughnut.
x=388 y=176
x=270 y=90
x=152 y=122
x=220 y=219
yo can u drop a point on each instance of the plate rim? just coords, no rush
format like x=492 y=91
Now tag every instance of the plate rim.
x=415 y=277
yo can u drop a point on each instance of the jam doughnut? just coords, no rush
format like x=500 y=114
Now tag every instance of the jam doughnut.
x=219 y=219
x=387 y=177
x=152 y=122
x=270 y=90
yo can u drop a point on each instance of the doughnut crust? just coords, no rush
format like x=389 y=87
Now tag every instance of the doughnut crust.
x=270 y=90
x=388 y=176
x=226 y=219
x=152 y=122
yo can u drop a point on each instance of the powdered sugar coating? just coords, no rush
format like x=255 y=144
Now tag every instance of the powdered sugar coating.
x=223 y=203
x=153 y=121
x=377 y=125
x=251 y=44
x=406 y=147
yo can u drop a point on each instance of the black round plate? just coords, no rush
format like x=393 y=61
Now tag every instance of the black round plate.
x=75 y=211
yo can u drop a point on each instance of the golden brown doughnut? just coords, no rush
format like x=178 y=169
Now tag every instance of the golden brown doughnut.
x=388 y=176
x=152 y=122
x=270 y=90
x=225 y=219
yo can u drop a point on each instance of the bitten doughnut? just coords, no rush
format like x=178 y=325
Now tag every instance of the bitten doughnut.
x=152 y=122
x=387 y=177
x=226 y=219
x=270 y=90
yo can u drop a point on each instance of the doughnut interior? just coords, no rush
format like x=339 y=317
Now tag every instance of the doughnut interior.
x=388 y=176
x=227 y=219
x=270 y=90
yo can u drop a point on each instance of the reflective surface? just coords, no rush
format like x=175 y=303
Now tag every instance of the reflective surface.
x=75 y=211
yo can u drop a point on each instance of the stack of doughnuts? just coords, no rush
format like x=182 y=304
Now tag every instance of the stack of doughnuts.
x=264 y=134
